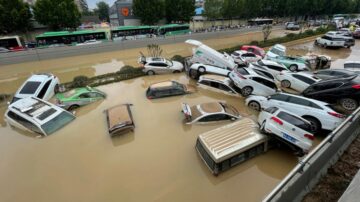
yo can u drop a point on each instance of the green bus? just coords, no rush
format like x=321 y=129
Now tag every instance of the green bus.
x=71 y=38
x=173 y=29
x=126 y=32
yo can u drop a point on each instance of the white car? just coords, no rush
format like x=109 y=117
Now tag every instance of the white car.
x=330 y=41
x=320 y=114
x=219 y=84
x=153 y=65
x=287 y=127
x=209 y=112
x=251 y=82
x=89 y=42
x=298 y=81
x=198 y=69
x=273 y=67
x=38 y=116
x=242 y=56
x=43 y=86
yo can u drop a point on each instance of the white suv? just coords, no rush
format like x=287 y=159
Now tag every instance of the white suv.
x=43 y=86
x=287 y=127
x=198 y=69
x=298 y=81
x=35 y=115
x=320 y=114
x=330 y=41
x=251 y=82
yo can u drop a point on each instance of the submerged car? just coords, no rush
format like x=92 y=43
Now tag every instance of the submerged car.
x=209 y=112
x=119 y=119
x=79 y=97
x=219 y=84
x=36 y=115
x=43 y=86
x=277 y=54
x=155 y=65
x=168 y=89
x=287 y=127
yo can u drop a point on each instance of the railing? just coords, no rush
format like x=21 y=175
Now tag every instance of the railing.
x=309 y=170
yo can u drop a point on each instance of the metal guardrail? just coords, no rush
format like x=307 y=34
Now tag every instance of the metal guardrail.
x=309 y=170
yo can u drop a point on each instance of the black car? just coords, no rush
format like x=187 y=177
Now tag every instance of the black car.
x=167 y=89
x=334 y=73
x=345 y=91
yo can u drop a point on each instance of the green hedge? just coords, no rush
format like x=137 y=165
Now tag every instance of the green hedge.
x=4 y=97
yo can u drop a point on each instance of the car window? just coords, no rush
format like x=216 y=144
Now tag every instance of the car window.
x=162 y=93
x=30 y=87
x=224 y=88
x=295 y=121
x=299 y=101
x=85 y=95
x=94 y=95
x=235 y=53
x=177 y=91
x=264 y=73
x=276 y=68
x=304 y=79
x=214 y=117
x=265 y=82
x=271 y=110
x=242 y=71
x=44 y=90
x=205 y=82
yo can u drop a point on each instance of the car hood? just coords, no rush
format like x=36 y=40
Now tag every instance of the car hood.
x=177 y=65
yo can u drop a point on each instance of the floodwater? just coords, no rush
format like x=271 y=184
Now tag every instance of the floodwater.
x=158 y=162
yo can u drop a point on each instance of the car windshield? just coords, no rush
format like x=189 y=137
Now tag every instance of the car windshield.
x=30 y=87
x=58 y=122
x=295 y=121
x=277 y=51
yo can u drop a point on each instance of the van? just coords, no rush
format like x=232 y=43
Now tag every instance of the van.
x=230 y=145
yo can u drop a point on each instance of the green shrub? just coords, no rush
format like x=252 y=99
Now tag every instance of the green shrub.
x=309 y=32
x=254 y=43
x=127 y=69
x=178 y=58
x=291 y=35
x=80 y=81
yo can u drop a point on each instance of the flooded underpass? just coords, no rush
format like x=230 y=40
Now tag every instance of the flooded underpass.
x=158 y=162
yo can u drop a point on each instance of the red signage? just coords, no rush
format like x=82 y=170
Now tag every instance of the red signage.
x=125 y=11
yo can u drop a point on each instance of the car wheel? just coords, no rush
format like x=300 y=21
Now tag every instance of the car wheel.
x=315 y=124
x=246 y=91
x=176 y=72
x=285 y=84
x=202 y=70
x=254 y=105
x=150 y=73
x=73 y=107
x=293 y=68
x=349 y=104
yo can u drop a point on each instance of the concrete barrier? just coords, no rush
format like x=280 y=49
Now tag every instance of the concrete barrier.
x=309 y=170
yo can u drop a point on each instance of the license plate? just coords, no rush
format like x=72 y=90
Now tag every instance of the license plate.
x=289 y=138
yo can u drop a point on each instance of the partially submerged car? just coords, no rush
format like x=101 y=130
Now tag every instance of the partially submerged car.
x=119 y=120
x=157 y=65
x=298 y=81
x=334 y=73
x=241 y=57
x=168 y=89
x=220 y=84
x=277 y=53
x=36 y=115
x=209 y=112
x=78 y=97
x=43 y=86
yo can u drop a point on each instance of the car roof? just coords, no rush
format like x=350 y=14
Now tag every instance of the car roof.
x=155 y=59
x=338 y=79
x=164 y=84
x=336 y=70
x=349 y=62
x=270 y=62
x=232 y=139
x=214 y=77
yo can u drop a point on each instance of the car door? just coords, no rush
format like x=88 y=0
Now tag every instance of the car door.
x=263 y=87
x=299 y=82
x=163 y=68
x=298 y=106
x=84 y=99
x=278 y=100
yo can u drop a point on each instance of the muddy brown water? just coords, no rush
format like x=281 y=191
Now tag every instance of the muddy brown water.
x=158 y=162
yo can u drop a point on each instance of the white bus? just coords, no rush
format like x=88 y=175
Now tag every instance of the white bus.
x=12 y=43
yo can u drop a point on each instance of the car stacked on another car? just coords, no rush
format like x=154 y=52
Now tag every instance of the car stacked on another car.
x=154 y=66
x=43 y=86
x=298 y=81
x=320 y=114
x=272 y=67
x=244 y=57
x=254 y=49
x=219 y=84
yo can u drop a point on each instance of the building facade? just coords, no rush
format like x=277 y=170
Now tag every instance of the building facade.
x=121 y=14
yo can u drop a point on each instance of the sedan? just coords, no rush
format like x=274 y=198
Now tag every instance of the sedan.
x=79 y=97
x=298 y=81
x=334 y=73
x=154 y=66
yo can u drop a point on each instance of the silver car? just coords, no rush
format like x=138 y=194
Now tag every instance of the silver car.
x=154 y=66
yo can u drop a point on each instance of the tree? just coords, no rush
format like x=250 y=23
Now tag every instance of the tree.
x=103 y=11
x=232 y=9
x=149 y=11
x=57 y=14
x=213 y=9
x=15 y=15
x=179 y=10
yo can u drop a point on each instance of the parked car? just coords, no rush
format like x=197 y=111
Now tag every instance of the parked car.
x=251 y=82
x=242 y=57
x=219 y=84
x=154 y=66
x=330 y=41
x=31 y=44
x=119 y=119
x=167 y=89
x=4 y=50
x=298 y=81
x=272 y=67
x=353 y=66
x=78 y=97
x=345 y=91
x=209 y=112
x=287 y=127
x=292 y=26
x=320 y=114
x=356 y=33
x=349 y=40
x=345 y=32
x=254 y=49
x=38 y=116
x=334 y=73
x=277 y=53
x=198 y=69
x=43 y=86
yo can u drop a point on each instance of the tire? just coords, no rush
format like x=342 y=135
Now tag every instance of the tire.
x=285 y=84
x=349 y=104
x=246 y=91
x=254 y=105
x=150 y=73
x=293 y=68
x=73 y=107
x=315 y=124
x=202 y=70
x=176 y=72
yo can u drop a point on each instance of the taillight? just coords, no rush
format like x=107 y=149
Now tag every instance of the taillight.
x=277 y=120
x=357 y=86
x=309 y=136
x=337 y=115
